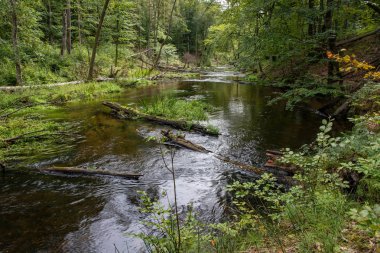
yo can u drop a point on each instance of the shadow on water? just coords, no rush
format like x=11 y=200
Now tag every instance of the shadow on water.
x=88 y=214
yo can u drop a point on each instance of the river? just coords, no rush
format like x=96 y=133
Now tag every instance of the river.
x=55 y=213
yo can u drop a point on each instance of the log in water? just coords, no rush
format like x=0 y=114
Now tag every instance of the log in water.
x=76 y=170
x=130 y=113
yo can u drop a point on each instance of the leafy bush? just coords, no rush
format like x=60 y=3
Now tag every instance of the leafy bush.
x=368 y=219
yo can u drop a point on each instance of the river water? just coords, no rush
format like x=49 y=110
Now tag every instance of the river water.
x=55 y=213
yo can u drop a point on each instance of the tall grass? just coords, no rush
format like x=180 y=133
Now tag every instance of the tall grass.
x=57 y=94
x=177 y=109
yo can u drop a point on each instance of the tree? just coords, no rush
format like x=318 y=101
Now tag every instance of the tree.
x=66 y=29
x=97 y=37
x=16 y=50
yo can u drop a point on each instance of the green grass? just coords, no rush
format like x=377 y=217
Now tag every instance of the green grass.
x=136 y=82
x=318 y=224
x=177 y=109
x=57 y=94
x=38 y=138
x=41 y=136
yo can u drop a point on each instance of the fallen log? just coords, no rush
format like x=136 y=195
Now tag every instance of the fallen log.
x=130 y=113
x=182 y=142
x=275 y=152
x=272 y=163
x=241 y=165
x=76 y=170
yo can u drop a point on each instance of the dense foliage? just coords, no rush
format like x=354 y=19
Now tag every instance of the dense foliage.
x=52 y=41
x=321 y=51
x=258 y=34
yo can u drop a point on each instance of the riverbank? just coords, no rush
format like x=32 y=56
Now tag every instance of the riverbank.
x=26 y=129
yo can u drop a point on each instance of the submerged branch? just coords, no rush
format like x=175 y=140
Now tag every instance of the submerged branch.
x=77 y=170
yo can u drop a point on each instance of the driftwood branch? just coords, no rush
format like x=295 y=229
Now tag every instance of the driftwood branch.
x=130 y=113
x=77 y=170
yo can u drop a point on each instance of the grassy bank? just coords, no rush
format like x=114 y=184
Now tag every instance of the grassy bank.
x=26 y=132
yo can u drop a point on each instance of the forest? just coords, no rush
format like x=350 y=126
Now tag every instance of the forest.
x=190 y=126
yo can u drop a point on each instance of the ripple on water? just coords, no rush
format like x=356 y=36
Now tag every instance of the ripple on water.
x=94 y=214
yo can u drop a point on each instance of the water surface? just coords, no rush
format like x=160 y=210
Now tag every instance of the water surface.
x=55 y=213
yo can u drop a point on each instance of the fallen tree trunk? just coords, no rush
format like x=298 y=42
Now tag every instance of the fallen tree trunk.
x=182 y=142
x=76 y=170
x=130 y=113
x=272 y=163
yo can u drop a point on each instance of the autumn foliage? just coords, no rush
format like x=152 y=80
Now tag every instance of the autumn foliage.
x=349 y=63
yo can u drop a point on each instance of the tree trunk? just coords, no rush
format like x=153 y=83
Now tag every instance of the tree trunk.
x=329 y=16
x=79 y=15
x=320 y=18
x=97 y=37
x=149 y=27
x=64 y=33
x=117 y=42
x=68 y=16
x=157 y=60
x=311 y=27
x=16 y=49
x=50 y=14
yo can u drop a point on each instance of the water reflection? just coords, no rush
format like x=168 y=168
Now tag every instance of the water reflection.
x=86 y=214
